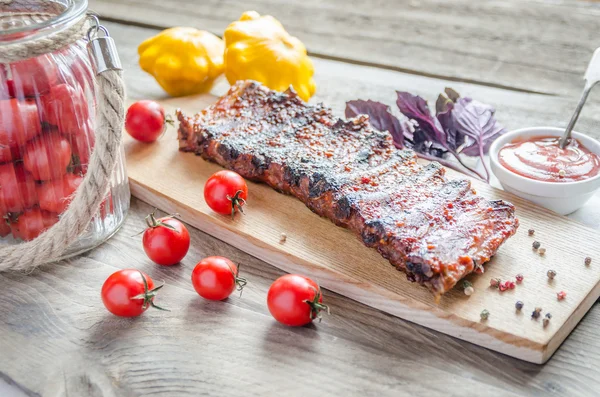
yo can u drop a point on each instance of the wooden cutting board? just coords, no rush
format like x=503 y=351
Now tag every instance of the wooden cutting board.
x=173 y=181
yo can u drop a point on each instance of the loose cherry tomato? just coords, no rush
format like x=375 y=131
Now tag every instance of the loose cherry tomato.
x=166 y=240
x=55 y=196
x=128 y=293
x=146 y=121
x=216 y=277
x=66 y=108
x=225 y=192
x=17 y=188
x=47 y=157
x=19 y=122
x=33 y=77
x=31 y=223
x=295 y=300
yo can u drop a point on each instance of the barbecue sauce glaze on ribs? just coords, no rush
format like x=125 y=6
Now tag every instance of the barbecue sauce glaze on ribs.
x=435 y=230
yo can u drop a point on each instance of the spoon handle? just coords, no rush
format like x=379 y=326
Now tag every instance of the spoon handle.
x=592 y=76
x=564 y=140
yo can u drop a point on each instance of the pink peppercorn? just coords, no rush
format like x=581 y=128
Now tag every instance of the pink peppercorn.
x=506 y=285
x=561 y=295
x=495 y=282
x=519 y=278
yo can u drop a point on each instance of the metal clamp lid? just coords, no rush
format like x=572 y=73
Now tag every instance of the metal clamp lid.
x=102 y=49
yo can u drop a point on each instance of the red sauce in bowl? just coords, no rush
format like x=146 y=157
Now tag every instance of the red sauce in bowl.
x=542 y=159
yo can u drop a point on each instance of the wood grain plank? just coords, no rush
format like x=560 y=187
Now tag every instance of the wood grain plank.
x=339 y=82
x=525 y=45
x=341 y=263
x=55 y=316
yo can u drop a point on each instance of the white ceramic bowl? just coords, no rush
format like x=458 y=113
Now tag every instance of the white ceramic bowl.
x=561 y=197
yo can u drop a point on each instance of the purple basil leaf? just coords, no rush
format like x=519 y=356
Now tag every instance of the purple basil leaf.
x=415 y=108
x=428 y=136
x=451 y=94
x=419 y=141
x=380 y=118
x=443 y=109
x=476 y=126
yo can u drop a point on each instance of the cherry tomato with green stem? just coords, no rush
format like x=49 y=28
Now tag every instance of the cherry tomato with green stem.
x=146 y=121
x=129 y=293
x=226 y=192
x=216 y=277
x=166 y=240
x=295 y=300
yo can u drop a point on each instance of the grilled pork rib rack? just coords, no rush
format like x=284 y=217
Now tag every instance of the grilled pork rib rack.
x=436 y=230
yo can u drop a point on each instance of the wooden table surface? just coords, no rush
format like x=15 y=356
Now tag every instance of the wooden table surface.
x=524 y=57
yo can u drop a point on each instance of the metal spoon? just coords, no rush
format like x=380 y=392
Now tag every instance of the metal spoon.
x=592 y=76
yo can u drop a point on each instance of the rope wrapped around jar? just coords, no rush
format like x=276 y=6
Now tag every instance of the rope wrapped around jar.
x=50 y=245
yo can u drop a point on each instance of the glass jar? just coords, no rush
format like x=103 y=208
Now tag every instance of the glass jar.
x=47 y=114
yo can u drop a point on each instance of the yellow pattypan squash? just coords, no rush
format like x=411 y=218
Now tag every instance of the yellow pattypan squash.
x=258 y=48
x=183 y=61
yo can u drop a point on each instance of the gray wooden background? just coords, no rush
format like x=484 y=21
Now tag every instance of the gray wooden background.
x=526 y=57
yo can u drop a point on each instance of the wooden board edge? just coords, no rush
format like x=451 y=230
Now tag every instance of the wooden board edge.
x=379 y=298
x=574 y=319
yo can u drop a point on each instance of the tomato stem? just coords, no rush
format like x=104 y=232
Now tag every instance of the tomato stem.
x=148 y=295
x=152 y=222
x=169 y=120
x=315 y=306
x=240 y=282
x=236 y=202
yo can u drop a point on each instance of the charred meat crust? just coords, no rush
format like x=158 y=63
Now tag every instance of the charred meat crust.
x=435 y=230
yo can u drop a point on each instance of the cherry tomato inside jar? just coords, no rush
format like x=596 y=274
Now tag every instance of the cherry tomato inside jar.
x=55 y=196
x=33 y=77
x=47 y=157
x=76 y=60
x=66 y=108
x=4 y=227
x=11 y=153
x=31 y=223
x=82 y=144
x=17 y=188
x=19 y=122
